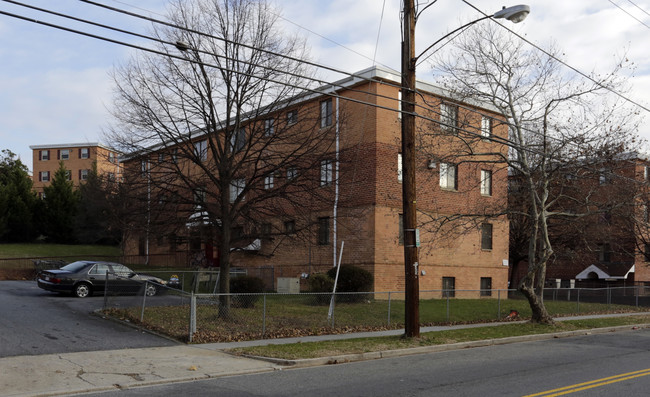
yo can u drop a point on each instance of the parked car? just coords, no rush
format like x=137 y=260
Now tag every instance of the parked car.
x=82 y=278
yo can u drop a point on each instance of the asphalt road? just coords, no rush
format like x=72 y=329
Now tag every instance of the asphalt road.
x=521 y=369
x=34 y=321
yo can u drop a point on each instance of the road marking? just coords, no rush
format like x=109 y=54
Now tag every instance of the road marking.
x=592 y=384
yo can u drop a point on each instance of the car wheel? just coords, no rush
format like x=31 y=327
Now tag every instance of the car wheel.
x=151 y=289
x=82 y=290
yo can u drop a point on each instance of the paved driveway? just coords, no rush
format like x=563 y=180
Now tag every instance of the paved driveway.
x=34 y=321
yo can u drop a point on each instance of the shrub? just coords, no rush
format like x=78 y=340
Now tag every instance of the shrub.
x=352 y=279
x=321 y=282
x=246 y=285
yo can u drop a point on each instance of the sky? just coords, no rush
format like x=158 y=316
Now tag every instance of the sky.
x=55 y=86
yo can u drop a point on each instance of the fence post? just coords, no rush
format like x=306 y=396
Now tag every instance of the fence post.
x=389 y=308
x=144 y=300
x=498 y=304
x=264 y=318
x=106 y=291
x=192 y=315
x=447 y=306
x=578 y=301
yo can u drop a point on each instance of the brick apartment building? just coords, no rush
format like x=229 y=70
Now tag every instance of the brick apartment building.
x=610 y=244
x=453 y=178
x=77 y=158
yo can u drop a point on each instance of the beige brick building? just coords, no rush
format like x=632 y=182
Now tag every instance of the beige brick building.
x=458 y=173
x=77 y=158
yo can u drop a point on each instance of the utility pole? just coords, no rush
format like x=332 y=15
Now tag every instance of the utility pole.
x=411 y=235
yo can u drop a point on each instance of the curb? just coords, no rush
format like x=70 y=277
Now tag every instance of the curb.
x=356 y=357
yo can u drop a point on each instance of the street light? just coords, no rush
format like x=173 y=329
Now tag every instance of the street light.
x=515 y=14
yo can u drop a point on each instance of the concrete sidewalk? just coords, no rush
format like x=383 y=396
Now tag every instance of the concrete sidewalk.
x=70 y=373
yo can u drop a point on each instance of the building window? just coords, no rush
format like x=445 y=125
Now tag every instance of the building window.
x=269 y=127
x=646 y=173
x=399 y=105
x=448 y=176
x=268 y=182
x=175 y=154
x=111 y=157
x=399 y=167
x=44 y=155
x=84 y=153
x=604 y=253
x=144 y=168
x=486 y=236
x=44 y=176
x=448 y=117
x=326 y=113
x=486 y=286
x=64 y=154
x=326 y=168
x=238 y=139
x=449 y=287
x=400 y=237
x=83 y=175
x=486 y=182
x=290 y=227
x=292 y=173
x=323 y=231
x=292 y=117
x=201 y=150
x=266 y=231
x=200 y=195
x=486 y=127
x=68 y=175
x=161 y=157
x=604 y=176
x=236 y=189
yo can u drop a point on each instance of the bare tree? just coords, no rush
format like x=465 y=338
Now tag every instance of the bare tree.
x=559 y=125
x=219 y=132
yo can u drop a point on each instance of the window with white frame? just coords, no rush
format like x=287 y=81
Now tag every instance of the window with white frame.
x=111 y=157
x=68 y=175
x=84 y=153
x=44 y=176
x=326 y=172
x=448 y=117
x=238 y=139
x=144 y=168
x=399 y=167
x=65 y=154
x=83 y=174
x=486 y=182
x=292 y=173
x=486 y=236
x=44 y=155
x=326 y=113
x=268 y=182
x=201 y=150
x=292 y=117
x=269 y=127
x=236 y=189
x=448 y=176
x=486 y=127
x=399 y=105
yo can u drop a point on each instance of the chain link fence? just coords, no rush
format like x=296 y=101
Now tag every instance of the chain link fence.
x=212 y=317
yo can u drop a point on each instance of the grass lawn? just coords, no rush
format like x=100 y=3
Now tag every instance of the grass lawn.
x=299 y=315
x=365 y=345
x=55 y=250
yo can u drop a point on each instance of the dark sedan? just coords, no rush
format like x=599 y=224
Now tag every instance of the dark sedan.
x=82 y=278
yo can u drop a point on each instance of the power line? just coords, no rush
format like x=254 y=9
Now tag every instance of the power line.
x=561 y=61
x=629 y=14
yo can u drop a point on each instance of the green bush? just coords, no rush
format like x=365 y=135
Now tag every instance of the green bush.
x=246 y=285
x=352 y=279
x=321 y=283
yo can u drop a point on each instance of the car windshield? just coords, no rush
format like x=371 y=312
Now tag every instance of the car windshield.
x=74 y=266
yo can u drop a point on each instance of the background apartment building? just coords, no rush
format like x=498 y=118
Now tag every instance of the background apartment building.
x=460 y=185
x=78 y=159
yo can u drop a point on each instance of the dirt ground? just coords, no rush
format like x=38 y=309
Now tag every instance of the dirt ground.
x=17 y=274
